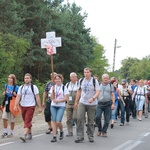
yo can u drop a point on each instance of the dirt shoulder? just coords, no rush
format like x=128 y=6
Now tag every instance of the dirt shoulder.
x=39 y=126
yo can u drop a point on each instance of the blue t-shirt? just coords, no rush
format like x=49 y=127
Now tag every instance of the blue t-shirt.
x=116 y=97
x=133 y=87
x=9 y=89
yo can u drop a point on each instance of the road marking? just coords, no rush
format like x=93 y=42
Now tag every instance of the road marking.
x=133 y=145
x=6 y=143
x=146 y=134
x=38 y=135
x=122 y=145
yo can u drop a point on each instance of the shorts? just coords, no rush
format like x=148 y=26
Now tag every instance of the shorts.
x=8 y=116
x=47 y=112
x=27 y=115
x=57 y=113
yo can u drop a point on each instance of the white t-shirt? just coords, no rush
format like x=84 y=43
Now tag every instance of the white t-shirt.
x=59 y=94
x=88 y=91
x=27 y=96
x=73 y=87
x=140 y=91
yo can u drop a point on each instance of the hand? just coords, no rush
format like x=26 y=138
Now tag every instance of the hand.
x=43 y=105
x=15 y=108
x=112 y=106
x=90 y=100
x=4 y=93
x=55 y=101
x=40 y=109
x=75 y=105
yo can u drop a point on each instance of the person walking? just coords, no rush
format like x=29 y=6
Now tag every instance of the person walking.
x=27 y=96
x=46 y=106
x=140 y=94
x=126 y=95
x=59 y=95
x=106 y=103
x=71 y=112
x=10 y=90
x=87 y=99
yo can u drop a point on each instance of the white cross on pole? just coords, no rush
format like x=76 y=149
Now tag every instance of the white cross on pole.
x=50 y=43
x=51 y=40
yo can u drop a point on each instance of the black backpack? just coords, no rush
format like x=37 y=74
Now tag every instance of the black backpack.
x=82 y=80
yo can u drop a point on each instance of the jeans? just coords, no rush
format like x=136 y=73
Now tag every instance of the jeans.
x=133 y=108
x=57 y=113
x=113 y=113
x=122 y=108
x=105 y=108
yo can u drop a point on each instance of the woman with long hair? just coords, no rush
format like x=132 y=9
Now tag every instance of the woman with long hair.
x=10 y=90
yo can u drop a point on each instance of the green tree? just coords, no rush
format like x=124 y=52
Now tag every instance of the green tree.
x=12 y=51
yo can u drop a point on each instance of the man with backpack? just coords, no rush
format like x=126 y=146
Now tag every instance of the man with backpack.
x=87 y=99
x=106 y=101
x=71 y=112
x=47 y=112
x=27 y=96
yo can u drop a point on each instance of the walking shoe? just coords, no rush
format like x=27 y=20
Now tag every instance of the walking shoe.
x=127 y=123
x=29 y=136
x=61 y=135
x=91 y=140
x=146 y=116
x=4 y=135
x=111 y=126
x=140 y=119
x=49 y=131
x=54 y=139
x=79 y=140
x=121 y=124
x=69 y=134
x=10 y=135
x=23 y=138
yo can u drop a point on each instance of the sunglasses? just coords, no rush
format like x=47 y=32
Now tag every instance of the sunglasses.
x=123 y=84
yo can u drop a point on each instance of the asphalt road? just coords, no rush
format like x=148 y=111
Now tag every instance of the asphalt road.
x=135 y=136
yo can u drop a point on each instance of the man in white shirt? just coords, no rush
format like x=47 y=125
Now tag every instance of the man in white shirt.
x=87 y=97
x=28 y=95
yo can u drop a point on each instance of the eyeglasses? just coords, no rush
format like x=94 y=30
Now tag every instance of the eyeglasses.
x=123 y=84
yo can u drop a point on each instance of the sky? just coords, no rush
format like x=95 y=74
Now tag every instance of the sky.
x=128 y=21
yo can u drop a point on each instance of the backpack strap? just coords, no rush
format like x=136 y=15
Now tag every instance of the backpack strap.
x=80 y=83
x=67 y=85
x=32 y=88
x=63 y=88
x=94 y=83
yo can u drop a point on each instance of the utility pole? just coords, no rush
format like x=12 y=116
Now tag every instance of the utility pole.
x=115 y=46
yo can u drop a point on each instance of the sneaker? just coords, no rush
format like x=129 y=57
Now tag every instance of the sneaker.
x=23 y=138
x=61 y=135
x=69 y=134
x=146 y=116
x=111 y=126
x=54 y=139
x=121 y=124
x=49 y=131
x=10 y=135
x=29 y=136
x=140 y=119
x=91 y=140
x=79 y=140
x=127 y=123
x=4 y=135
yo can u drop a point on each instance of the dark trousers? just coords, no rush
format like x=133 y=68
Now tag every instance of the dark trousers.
x=122 y=109
x=105 y=108
x=133 y=108
x=127 y=109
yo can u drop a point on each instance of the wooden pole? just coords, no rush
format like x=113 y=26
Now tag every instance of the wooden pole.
x=52 y=67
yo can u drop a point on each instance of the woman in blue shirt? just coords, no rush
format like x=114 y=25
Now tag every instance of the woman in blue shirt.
x=10 y=90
